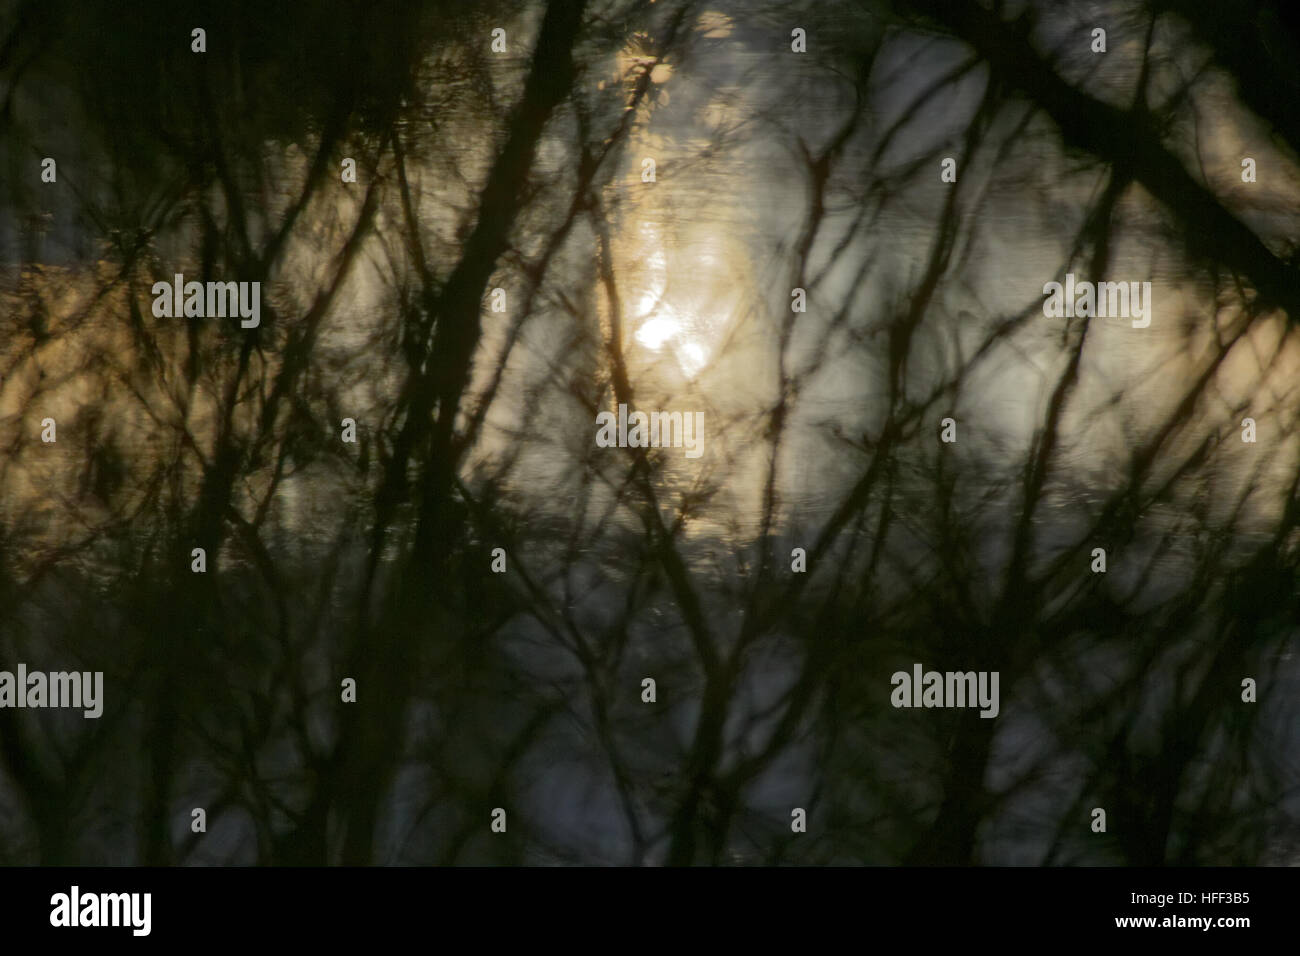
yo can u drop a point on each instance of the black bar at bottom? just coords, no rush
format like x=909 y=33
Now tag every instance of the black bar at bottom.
x=329 y=906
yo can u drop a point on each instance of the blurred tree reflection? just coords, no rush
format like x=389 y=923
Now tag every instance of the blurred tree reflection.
x=522 y=171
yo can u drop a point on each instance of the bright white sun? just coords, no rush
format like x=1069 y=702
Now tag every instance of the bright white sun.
x=657 y=330
x=670 y=317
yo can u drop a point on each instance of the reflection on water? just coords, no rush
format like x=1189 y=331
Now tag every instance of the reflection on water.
x=826 y=538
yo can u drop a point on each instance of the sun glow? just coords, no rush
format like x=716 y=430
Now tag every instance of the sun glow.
x=683 y=317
